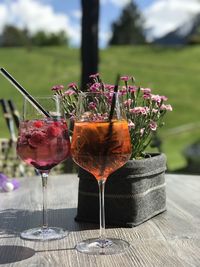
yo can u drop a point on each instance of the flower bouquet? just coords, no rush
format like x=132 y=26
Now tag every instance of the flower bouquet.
x=144 y=110
x=135 y=192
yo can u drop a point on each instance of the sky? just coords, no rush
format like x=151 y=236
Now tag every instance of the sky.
x=161 y=16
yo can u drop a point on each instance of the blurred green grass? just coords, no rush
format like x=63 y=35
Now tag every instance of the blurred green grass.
x=173 y=72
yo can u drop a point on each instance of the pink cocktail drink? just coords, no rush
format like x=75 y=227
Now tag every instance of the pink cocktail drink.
x=43 y=143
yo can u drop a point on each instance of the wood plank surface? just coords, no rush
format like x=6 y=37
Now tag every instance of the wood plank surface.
x=169 y=239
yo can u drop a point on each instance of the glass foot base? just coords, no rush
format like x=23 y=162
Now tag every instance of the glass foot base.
x=40 y=234
x=102 y=247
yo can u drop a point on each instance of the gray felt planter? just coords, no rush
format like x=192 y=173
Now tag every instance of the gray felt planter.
x=133 y=194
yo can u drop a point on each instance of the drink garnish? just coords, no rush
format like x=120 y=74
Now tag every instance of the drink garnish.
x=38 y=124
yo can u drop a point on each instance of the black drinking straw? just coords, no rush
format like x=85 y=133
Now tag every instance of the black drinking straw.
x=109 y=134
x=24 y=92
x=114 y=98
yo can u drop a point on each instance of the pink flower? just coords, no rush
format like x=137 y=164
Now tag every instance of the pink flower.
x=140 y=110
x=147 y=96
x=72 y=85
x=147 y=109
x=146 y=90
x=122 y=92
x=69 y=92
x=132 y=88
x=57 y=87
x=128 y=102
x=164 y=98
x=166 y=107
x=142 y=131
x=93 y=76
x=100 y=117
x=92 y=105
x=156 y=98
x=125 y=78
x=154 y=110
x=131 y=125
x=95 y=87
x=153 y=125
x=109 y=86
x=109 y=97
x=144 y=109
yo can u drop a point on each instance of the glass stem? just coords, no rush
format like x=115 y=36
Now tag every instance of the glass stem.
x=101 y=184
x=44 y=176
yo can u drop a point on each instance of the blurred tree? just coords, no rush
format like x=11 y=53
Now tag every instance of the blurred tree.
x=128 y=29
x=89 y=39
x=194 y=38
x=12 y=36
x=42 y=38
x=59 y=38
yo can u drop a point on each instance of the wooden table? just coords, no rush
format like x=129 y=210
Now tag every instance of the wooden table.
x=169 y=239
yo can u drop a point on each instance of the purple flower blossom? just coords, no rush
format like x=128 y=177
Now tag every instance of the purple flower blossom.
x=57 y=87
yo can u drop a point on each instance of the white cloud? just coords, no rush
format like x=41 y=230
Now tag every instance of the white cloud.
x=164 y=16
x=77 y=14
x=75 y=34
x=35 y=16
x=118 y=3
x=3 y=16
x=104 y=37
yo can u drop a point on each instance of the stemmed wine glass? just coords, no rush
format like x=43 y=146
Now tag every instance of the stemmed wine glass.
x=100 y=145
x=43 y=142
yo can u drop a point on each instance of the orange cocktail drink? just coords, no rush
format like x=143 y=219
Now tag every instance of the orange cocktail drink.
x=101 y=147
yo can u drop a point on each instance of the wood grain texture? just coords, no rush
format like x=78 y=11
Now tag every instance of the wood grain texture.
x=169 y=239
